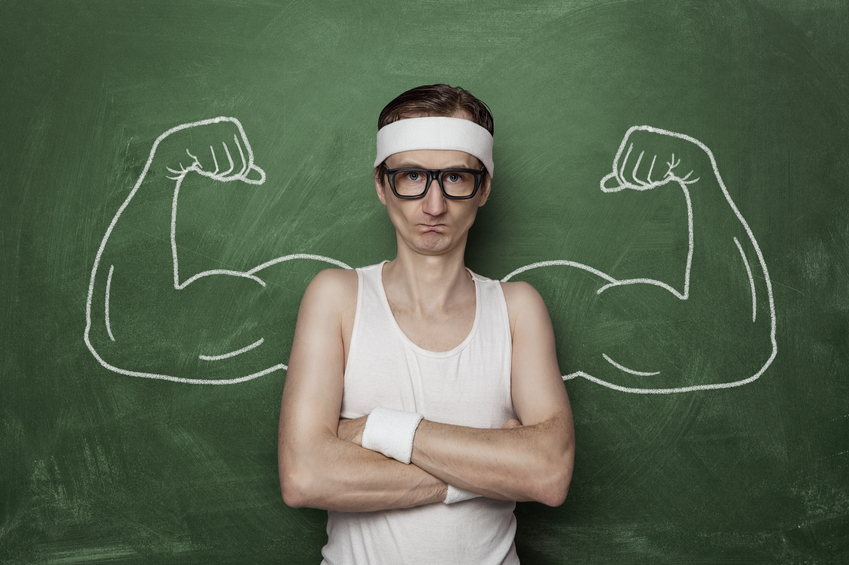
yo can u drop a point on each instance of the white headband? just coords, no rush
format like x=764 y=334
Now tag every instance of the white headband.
x=454 y=134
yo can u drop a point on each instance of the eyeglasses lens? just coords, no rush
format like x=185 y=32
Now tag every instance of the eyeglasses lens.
x=412 y=182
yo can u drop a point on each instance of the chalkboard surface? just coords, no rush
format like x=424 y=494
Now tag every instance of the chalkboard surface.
x=673 y=178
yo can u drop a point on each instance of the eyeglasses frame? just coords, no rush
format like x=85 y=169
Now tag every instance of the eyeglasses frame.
x=431 y=175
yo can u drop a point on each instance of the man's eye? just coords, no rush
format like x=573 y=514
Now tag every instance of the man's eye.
x=414 y=176
x=453 y=177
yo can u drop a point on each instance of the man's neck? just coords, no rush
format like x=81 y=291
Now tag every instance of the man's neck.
x=427 y=284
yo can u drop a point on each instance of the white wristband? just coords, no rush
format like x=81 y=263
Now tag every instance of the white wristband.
x=458 y=495
x=391 y=432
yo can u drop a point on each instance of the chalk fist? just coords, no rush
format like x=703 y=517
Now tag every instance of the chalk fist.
x=649 y=157
x=216 y=148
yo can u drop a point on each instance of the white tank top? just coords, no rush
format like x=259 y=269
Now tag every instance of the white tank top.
x=467 y=386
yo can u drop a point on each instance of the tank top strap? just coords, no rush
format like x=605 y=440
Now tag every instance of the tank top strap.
x=491 y=313
x=494 y=323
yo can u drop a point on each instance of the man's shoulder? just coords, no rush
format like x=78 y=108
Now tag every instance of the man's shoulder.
x=333 y=288
x=519 y=292
x=523 y=301
x=336 y=277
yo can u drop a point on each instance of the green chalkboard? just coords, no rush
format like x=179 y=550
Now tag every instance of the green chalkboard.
x=702 y=321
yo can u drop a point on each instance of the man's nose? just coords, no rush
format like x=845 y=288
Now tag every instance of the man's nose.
x=434 y=201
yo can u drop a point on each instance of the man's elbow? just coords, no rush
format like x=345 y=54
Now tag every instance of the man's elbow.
x=293 y=497
x=558 y=476
x=295 y=486
x=557 y=486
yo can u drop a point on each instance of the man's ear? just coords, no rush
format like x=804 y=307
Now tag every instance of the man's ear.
x=486 y=186
x=381 y=190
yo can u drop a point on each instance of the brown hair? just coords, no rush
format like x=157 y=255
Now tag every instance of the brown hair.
x=438 y=100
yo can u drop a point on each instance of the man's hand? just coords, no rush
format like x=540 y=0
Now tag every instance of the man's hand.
x=352 y=430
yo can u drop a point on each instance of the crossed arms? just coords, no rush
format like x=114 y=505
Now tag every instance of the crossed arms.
x=322 y=464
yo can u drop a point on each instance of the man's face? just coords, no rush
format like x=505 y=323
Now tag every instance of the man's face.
x=433 y=224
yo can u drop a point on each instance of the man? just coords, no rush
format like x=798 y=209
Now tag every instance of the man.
x=423 y=400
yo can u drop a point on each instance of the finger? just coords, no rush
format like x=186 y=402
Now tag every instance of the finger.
x=229 y=158
x=687 y=180
x=244 y=142
x=196 y=163
x=651 y=169
x=672 y=164
x=610 y=183
x=620 y=173
x=634 y=176
x=214 y=160
x=625 y=172
x=644 y=172
x=254 y=169
x=245 y=165
x=207 y=172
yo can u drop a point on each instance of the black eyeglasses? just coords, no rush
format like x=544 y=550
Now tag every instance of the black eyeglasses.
x=456 y=184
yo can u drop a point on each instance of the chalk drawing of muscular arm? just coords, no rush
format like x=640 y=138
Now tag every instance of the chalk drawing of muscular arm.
x=147 y=318
x=713 y=327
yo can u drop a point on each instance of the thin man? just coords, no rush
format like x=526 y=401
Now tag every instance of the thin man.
x=423 y=400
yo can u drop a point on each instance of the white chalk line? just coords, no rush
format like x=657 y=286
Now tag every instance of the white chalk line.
x=106 y=303
x=245 y=274
x=633 y=390
x=552 y=263
x=761 y=261
x=626 y=369
x=751 y=280
x=174 y=256
x=300 y=256
x=688 y=265
x=232 y=353
x=278 y=367
x=619 y=175
x=243 y=175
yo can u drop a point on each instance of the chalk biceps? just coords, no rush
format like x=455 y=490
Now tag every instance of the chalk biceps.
x=102 y=286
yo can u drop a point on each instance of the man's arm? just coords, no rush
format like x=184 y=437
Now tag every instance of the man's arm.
x=317 y=468
x=531 y=461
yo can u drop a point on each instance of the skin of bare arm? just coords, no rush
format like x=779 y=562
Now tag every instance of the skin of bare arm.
x=317 y=468
x=529 y=459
